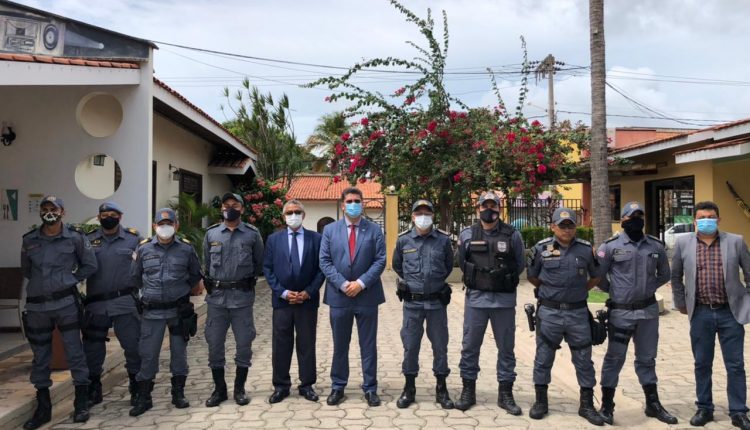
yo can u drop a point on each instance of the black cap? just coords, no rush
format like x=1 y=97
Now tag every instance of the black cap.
x=422 y=202
x=228 y=196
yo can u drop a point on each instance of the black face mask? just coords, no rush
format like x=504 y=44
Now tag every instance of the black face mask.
x=489 y=215
x=231 y=214
x=109 y=222
x=633 y=228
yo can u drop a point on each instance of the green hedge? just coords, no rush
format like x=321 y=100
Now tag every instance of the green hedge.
x=532 y=235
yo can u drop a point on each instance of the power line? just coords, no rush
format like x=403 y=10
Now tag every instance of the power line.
x=650 y=117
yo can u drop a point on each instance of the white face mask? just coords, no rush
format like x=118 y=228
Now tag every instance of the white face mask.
x=293 y=220
x=423 y=222
x=165 y=232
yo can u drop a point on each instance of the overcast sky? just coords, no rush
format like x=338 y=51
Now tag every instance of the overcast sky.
x=686 y=59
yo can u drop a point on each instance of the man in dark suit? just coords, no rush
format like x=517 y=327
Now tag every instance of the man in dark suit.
x=292 y=270
x=707 y=287
x=352 y=257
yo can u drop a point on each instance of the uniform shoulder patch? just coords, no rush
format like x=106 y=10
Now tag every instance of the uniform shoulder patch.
x=144 y=241
x=404 y=232
x=30 y=231
x=183 y=239
x=132 y=231
x=583 y=242
x=613 y=237
x=251 y=226
x=75 y=228
x=213 y=226
x=655 y=238
x=443 y=232
x=545 y=240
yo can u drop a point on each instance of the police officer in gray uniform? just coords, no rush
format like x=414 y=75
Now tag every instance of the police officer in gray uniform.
x=111 y=299
x=166 y=267
x=233 y=252
x=563 y=269
x=54 y=258
x=423 y=259
x=636 y=265
x=491 y=256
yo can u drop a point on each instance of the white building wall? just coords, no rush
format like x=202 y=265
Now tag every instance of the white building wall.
x=317 y=209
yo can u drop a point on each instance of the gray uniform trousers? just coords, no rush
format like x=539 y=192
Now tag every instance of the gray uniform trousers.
x=152 y=336
x=573 y=326
x=503 y=321
x=645 y=334
x=243 y=326
x=437 y=332
x=39 y=332
x=127 y=330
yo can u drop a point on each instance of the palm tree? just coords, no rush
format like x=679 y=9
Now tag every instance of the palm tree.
x=598 y=161
x=325 y=136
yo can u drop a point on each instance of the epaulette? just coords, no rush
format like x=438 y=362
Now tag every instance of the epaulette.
x=443 y=232
x=545 y=240
x=656 y=239
x=404 y=232
x=614 y=236
x=213 y=226
x=75 y=228
x=30 y=231
x=183 y=239
x=252 y=226
x=583 y=242
x=146 y=240
x=132 y=231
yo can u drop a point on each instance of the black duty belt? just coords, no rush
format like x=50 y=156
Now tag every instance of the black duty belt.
x=152 y=306
x=57 y=295
x=714 y=306
x=420 y=296
x=641 y=304
x=245 y=284
x=91 y=298
x=562 y=306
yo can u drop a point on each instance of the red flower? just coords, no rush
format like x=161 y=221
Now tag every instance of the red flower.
x=248 y=197
x=340 y=149
x=352 y=167
x=540 y=156
x=525 y=139
x=278 y=202
x=364 y=122
x=328 y=98
x=362 y=180
x=410 y=100
x=458 y=176
x=400 y=91
x=345 y=137
x=432 y=126
x=259 y=194
x=422 y=134
x=261 y=183
x=336 y=179
x=443 y=133
x=511 y=137
x=536 y=123
x=541 y=169
x=462 y=115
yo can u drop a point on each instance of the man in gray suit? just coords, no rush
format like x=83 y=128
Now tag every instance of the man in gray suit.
x=352 y=258
x=707 y=287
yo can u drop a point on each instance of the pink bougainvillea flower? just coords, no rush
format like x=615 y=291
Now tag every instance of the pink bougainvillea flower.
x=458 y=176
x=336 y=179
x=410 y=100
x=536 y=123
x=510 y=137
x=345 y=137
x=400 y=91
x=540 y=156
x=541 y=169
x=328 y=98
x=364 y=122
x=432 y=126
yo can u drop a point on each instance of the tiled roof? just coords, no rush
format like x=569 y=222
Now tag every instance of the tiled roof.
x=200 y=111
x=27 y=58
x=322 y=187
x=229 y=160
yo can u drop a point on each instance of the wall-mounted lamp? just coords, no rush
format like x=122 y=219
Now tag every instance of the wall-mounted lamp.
x=7 y=135
x=175 y=171
x=99 y=160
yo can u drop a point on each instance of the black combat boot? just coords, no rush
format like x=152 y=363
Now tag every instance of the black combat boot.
x=240 y=397
x=178 y=392
x=43 y=412
x=133 y=389
x=654 y=409
x=468 y=395
x=505 y=398
x=441 y=393
x=95 y=390
x=81 y=404
x=407 y=396
x=540 y=408
x=143 y=402
x=220 y=388
x=607 y=411
x=586 y=408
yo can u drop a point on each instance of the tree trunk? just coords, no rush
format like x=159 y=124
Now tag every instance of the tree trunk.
x=598 y=160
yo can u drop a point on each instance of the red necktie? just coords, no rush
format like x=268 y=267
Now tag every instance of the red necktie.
x=352 y=243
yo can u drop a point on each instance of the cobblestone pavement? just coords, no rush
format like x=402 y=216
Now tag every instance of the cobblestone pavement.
x=674 y=367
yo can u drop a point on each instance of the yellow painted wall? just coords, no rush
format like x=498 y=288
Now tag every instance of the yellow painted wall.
x=732 y=218
x=572 y=191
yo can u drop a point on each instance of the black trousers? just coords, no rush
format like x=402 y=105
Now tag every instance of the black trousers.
x=287 y=322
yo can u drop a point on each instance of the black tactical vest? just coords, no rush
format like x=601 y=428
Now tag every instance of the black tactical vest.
x=490 y=265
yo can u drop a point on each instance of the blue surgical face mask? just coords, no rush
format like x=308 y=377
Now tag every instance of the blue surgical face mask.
x=354 y=209
x=707 y=225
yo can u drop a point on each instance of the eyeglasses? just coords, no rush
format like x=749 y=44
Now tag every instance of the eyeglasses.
x=352 y=201
x=297 y=212
x=566 y=226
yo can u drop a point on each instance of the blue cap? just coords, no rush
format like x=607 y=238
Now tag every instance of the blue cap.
x=563 y=214
x=630 y=208
x=228 y=196
x=56 y=201
x=165 y=214
x=422 y=203
x=110 y=207
x=489 y=195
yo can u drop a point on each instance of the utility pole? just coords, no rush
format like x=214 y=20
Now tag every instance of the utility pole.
x=546 y=69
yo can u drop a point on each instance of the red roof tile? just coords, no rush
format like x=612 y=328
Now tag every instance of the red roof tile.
x=322 y=187
x=8 y=56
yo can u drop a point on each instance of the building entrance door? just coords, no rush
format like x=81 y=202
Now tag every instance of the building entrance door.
x=669 y=202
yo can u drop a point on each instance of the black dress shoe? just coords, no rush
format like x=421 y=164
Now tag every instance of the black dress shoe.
x=372 y=398
x=278 y=395
x=701 y=418
x=336 y=397
x=309 y=394
x=741 y=421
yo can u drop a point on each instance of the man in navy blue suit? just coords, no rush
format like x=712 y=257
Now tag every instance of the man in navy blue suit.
x=352 y=257
x=292 y=270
